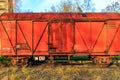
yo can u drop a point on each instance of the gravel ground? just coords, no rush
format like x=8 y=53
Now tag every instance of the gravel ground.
x=59 y=72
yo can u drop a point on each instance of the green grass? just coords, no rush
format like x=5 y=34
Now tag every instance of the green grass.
x=118 y=57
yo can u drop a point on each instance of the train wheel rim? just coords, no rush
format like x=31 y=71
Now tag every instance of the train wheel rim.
x=103 y=61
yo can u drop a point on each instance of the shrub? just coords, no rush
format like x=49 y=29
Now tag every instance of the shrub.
x=4 y=61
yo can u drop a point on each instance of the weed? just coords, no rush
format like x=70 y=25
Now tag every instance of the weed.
x=5 y=78
x=59 y=73
x=65 y=77
x=12 y=77
x=26 y=71
x=28 y=78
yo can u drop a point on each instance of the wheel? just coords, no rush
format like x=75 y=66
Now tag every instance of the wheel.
x=25 y=62
x=21 y=61
x=103 y=61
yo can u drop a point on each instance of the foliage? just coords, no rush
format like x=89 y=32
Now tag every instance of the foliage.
x=87 y=6
x=66 y=6
x=74 y=6
x=113 y=7
x=4 y=61
x=17 y=6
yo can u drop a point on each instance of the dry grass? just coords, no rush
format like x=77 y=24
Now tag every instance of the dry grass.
x=60 y=72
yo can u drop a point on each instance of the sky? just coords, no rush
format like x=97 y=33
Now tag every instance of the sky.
x=43 y=5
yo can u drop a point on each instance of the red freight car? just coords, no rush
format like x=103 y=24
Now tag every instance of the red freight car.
x=60 y=34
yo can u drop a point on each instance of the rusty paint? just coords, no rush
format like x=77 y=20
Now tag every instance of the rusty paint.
x=45 y=34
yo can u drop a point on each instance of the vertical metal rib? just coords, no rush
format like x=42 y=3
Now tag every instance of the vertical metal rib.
x=32 y=38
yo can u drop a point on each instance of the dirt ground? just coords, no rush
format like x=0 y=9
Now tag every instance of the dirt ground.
x=59 y=72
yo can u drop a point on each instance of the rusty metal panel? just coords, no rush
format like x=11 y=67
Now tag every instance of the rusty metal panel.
x=26 y=34
x=114 y=38
x=7 y=37
x=24 y=39
x=99 y=37
x=61 y=36
x=82 y=36
x=40 y=38
x=63 y=16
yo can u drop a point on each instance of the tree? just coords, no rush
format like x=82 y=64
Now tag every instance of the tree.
x=66 y=6
x=74 y=6
x=16 y=5
x=113 y=7
x=88 y=6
